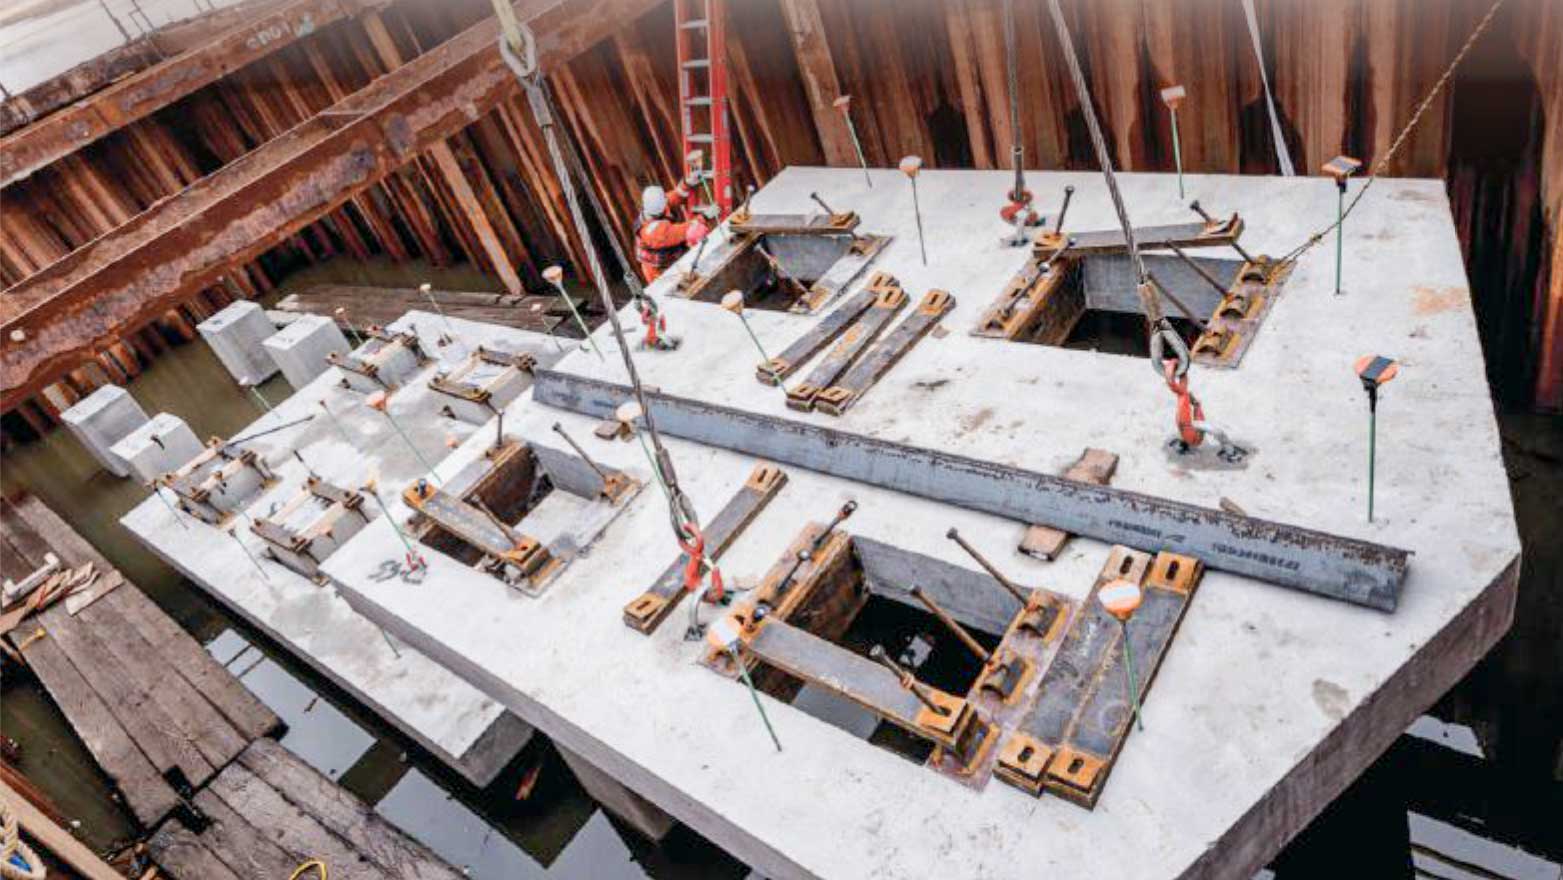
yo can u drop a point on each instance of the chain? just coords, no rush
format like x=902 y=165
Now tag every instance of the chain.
x=1394 y=147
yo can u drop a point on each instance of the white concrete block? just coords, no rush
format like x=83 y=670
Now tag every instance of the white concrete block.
x=157 y=447
x=102 y=419
x=236 y=335
x=300 y=348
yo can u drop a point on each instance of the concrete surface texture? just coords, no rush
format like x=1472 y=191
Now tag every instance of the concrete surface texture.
x=103 y=418
x=300 y=348
x=461 y=726
x=157 y=447
x=1269 y=701
x=236 y=335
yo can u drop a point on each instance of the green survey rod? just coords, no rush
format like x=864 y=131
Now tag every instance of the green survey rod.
x=755 y=695
x=1374 y=371
x=1341 y=168
x=382 y=402
x=1128 y=672
x=555 y=276
x=374 y=493
x=1172 y=96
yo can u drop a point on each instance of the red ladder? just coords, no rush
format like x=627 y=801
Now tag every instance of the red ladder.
x=702 y=95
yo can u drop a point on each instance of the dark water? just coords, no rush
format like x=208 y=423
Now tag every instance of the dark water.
x=1477 y=779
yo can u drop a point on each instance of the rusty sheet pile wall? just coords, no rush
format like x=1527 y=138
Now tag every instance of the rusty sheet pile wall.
x=927 y=77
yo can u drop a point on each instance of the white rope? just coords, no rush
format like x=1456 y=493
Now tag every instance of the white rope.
x=1282 y=155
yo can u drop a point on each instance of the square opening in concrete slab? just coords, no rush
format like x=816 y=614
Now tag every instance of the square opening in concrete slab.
x=520 y=512
x=775 y=271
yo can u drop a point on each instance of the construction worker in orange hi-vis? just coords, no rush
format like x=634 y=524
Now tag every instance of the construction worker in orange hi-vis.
x=660 y=238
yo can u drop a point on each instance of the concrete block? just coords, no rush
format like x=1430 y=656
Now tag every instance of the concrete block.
x=626 y=805
x=102 y=419
x=157 y=447
x=236 y=335
x=300 y=348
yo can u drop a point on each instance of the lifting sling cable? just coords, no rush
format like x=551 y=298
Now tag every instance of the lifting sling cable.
x=1283 y=155
x=1394 y=147
x=1162 y=334
x=519 y=50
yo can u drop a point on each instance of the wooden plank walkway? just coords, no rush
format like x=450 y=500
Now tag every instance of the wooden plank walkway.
x=382 y=305
x=270 y=812
x=156 y=711
x=184 y=741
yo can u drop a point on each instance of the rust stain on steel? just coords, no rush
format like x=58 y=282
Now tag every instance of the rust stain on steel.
x=129 y=277
x=64 y=132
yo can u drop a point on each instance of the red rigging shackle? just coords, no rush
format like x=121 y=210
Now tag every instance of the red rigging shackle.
x=1189 y=409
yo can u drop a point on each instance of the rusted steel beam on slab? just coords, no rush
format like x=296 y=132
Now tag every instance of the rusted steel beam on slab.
x=229 y=218
x=68 y=130
x=1315 y=562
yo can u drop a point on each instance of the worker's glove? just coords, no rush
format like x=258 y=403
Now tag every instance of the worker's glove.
x=699 y=228
x=692 y=179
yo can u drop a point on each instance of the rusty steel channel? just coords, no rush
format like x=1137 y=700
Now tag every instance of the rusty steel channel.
x=1342 y=568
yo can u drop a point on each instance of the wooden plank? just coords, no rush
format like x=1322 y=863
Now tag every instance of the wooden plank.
x=147 y=719
x=248 y=715
x=341 y=813
x=247 y=850
x=198 y=720
x=1094 y=466
x=647 y=611
x=811 y=46
x=290 y=827
x=182 y=854
x=885 y=354
x=149 y=797
x=55 y=839
x=811 y=343
x=853 y=343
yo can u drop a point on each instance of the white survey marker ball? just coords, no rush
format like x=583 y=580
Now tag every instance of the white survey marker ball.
x=842 y=103
x=722 y=634
x=628 y=412
x=911 y=165
x=553 y=275
x=734 y=301
x=1120 y=598
x=425 y=287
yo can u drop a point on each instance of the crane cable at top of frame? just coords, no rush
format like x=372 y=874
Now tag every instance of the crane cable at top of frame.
x=519 y=49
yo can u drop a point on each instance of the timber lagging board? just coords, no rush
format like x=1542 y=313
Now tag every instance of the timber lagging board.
x=854 y=342
x=647 y=611
x=1070 y=740
x=885 y=354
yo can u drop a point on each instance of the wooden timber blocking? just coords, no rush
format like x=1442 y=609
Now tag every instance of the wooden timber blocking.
x=154 y=709
x=270 y=813
x=1094 y=466
x=363 y=306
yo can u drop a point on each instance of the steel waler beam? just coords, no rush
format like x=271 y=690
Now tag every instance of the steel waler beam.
x=54 y=319
x=64 y=132
x=1316 y=562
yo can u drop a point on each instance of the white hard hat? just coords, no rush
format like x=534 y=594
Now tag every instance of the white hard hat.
x=653 y=200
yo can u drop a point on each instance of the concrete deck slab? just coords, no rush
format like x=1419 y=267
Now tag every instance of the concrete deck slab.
x=460 y=725
x=1268 y=703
